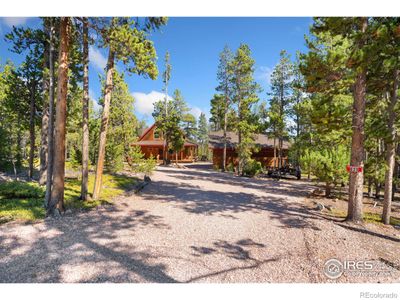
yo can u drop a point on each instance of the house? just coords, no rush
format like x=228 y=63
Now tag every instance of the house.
x=264 y=144
x=151 y=143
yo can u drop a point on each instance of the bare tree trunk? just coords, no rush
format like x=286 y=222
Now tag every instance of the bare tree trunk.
x=50 y=132
x=356 y=181
x=18 y=156
x=45 y=117
x=224 y=151
x=328 y=189
x=85 y=112
x=104 y=125
x=369 y=188
x=390 y=151
x=377 y=189
x=56 y=203
x=274 y=152
x=356 y=184
x=279 y=156
x=32 y=110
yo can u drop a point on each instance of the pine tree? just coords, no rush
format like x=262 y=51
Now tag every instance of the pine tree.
x=280 y=104
x=202 y=135
x=244 y=96
x=217 y=111
x=85 y=111
x=348 y=71
x=56 y=203
x=166 y=79
x=225 y=80
x=137 y=54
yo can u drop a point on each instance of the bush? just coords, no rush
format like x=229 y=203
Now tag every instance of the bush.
x=139 y=164
x=252 y=168
x=230 y=167
x=20 y=189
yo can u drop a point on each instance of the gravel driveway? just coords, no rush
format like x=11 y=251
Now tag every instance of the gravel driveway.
x=194 y=225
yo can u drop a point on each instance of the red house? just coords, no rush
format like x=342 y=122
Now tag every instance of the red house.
x=151 y=143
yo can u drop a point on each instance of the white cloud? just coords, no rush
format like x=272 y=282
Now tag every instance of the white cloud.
x=195 y=111
x=14 y=21
x=263 y=74
x=96 y=106
x=144 y=102
x=97 y=58
x=93 y=98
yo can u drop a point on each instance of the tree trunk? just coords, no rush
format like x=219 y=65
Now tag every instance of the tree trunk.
x=104 y=125
x=50 y=132
x=85 y=112
x=279 y=156
x=224 y=151
x=274 y=152
x=356 y=181
x=357 y=151
x=327 y=189
x=377 y=190
x=18 y=156
x=32 y=110
x=45 y=117
x=56 y=203
x=369 y=188
x=390 y=151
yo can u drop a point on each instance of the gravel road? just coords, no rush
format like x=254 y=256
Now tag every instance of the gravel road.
x=196 y=225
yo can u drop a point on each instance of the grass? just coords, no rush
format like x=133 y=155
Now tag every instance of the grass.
x=369 y=217
x=24 y=200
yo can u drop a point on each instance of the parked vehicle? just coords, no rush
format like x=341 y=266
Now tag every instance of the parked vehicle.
x=285 y=172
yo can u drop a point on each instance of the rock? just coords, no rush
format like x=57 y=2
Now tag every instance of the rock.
x=319 y=206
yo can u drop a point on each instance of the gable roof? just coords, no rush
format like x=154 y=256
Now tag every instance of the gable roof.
x=146 y=131
x=156 y=142
x=216 y=140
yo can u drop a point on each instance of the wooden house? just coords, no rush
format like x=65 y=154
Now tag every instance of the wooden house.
x=152 y=143
x=264 y=152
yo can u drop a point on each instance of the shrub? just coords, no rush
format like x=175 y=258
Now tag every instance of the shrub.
x=20 y=189
x=252 y=168
x=139 y=164
x=230 y=167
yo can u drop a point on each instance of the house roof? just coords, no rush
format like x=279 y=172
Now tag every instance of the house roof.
x=216 y=140
x=146 y=131
x=141 y=142
x=159 y=143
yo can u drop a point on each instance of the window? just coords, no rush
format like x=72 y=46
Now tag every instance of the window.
x=156 y=135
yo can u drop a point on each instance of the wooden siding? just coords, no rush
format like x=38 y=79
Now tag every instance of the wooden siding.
x=265 y=156
x=186 y=155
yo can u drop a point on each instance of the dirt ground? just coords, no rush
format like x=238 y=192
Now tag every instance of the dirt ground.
x=199 y=225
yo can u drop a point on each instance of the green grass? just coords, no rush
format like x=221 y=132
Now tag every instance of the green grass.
x=24 y=200
x=369 y=217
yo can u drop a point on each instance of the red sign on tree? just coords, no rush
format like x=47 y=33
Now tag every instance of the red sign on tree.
x=354 y=169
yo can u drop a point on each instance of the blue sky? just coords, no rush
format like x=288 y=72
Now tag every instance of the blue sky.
x=194 y=44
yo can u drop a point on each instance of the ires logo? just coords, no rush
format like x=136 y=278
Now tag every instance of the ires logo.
x=334 y=268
